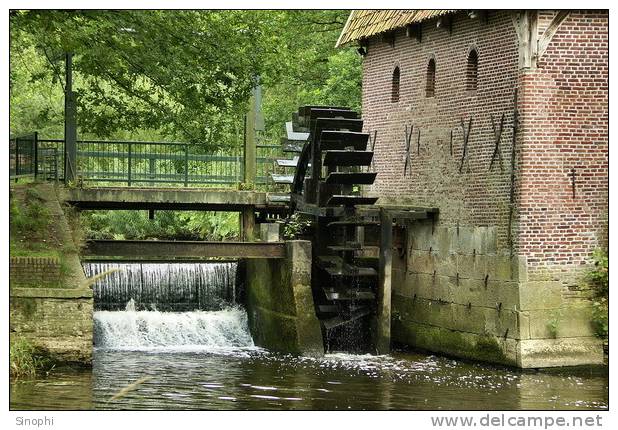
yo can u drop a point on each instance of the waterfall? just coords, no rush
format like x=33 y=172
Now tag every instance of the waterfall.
x=164 y=286
x=154 y=330
x=167 y=306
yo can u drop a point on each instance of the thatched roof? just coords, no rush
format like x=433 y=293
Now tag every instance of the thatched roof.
x=366 y=23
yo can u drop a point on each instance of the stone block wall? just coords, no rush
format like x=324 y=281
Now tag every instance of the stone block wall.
x=280 y=304
x=26 y=272
x=455 y=292
x=56 y=320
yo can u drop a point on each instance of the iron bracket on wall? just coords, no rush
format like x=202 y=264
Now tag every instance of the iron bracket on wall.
x=466 y=136
x=497 y=136
x=407 y=155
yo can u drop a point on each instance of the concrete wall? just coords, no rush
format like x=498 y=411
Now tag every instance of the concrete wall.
x=280 y=304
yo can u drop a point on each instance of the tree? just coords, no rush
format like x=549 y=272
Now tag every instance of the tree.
x=182 y=74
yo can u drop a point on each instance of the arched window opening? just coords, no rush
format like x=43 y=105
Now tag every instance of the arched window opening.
x=395 y=86
x=430 y=89
x=472 y=70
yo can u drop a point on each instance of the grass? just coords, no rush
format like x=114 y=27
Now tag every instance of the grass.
x=25 y=359
x=30 y=221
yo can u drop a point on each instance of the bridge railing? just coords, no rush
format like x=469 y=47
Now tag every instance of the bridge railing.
x=144 y=164
x=23 y=156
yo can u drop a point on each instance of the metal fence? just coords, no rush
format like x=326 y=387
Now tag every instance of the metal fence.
x=146 y=163
x=22 y=156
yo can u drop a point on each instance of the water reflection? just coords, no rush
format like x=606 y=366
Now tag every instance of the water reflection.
x=250 y=378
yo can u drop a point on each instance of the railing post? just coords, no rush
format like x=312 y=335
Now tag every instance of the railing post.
x=186 y=165
x=129 y=165
x=36 y=155
x=16 y=158
x=250 y=150
x=56 y=165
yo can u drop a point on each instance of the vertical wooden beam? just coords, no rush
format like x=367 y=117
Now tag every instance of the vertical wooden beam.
x=383 y=323
x=247 y=224
x=70 y=123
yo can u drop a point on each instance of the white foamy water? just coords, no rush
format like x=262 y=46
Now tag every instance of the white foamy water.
x=133 y=330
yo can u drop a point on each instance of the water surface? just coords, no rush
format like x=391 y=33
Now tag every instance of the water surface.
x=207 y=361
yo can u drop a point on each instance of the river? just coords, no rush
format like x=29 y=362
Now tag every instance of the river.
x=177 y=331
x=215 y=366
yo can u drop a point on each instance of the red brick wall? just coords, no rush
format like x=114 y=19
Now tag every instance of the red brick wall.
x=475 y=196
x=564 y=124
x=27 y=272
x=564 y=112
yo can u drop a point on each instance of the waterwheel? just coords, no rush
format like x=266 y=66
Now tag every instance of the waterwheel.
x=330 y=166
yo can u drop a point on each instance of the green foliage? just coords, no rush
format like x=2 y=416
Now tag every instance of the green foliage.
x=31 y=217
x=24 y=358
x=135 y=225
x=296 y=225
x=600 y=317
x=554 y=323
x=598 y=279
x=176 y=74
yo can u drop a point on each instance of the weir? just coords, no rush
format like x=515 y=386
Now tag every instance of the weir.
x=131 y=329
x=164 y=286
x=144 y=306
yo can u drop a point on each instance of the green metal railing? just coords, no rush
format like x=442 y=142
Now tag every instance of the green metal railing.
x=144 y=164
x=23 y=156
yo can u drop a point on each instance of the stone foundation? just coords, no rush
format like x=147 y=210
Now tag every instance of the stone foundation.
x=57 y=321
x=454 y=292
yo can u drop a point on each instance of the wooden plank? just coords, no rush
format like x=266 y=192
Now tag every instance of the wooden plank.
x=337 y=200
x=295 y=135
x=282 y=179
x=339 y=320
x=163 y=249
x=314 y=113
x=383 y=317
x=347 y=295
x=347 y=158
x=292 y=146
x=287 y=162
x=365 y=178
x=337 y=123
x=306 y=110
x=337 y=140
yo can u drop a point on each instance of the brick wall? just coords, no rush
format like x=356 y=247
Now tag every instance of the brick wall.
x=34 y=272
x=564 y=112
x=474 y=196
